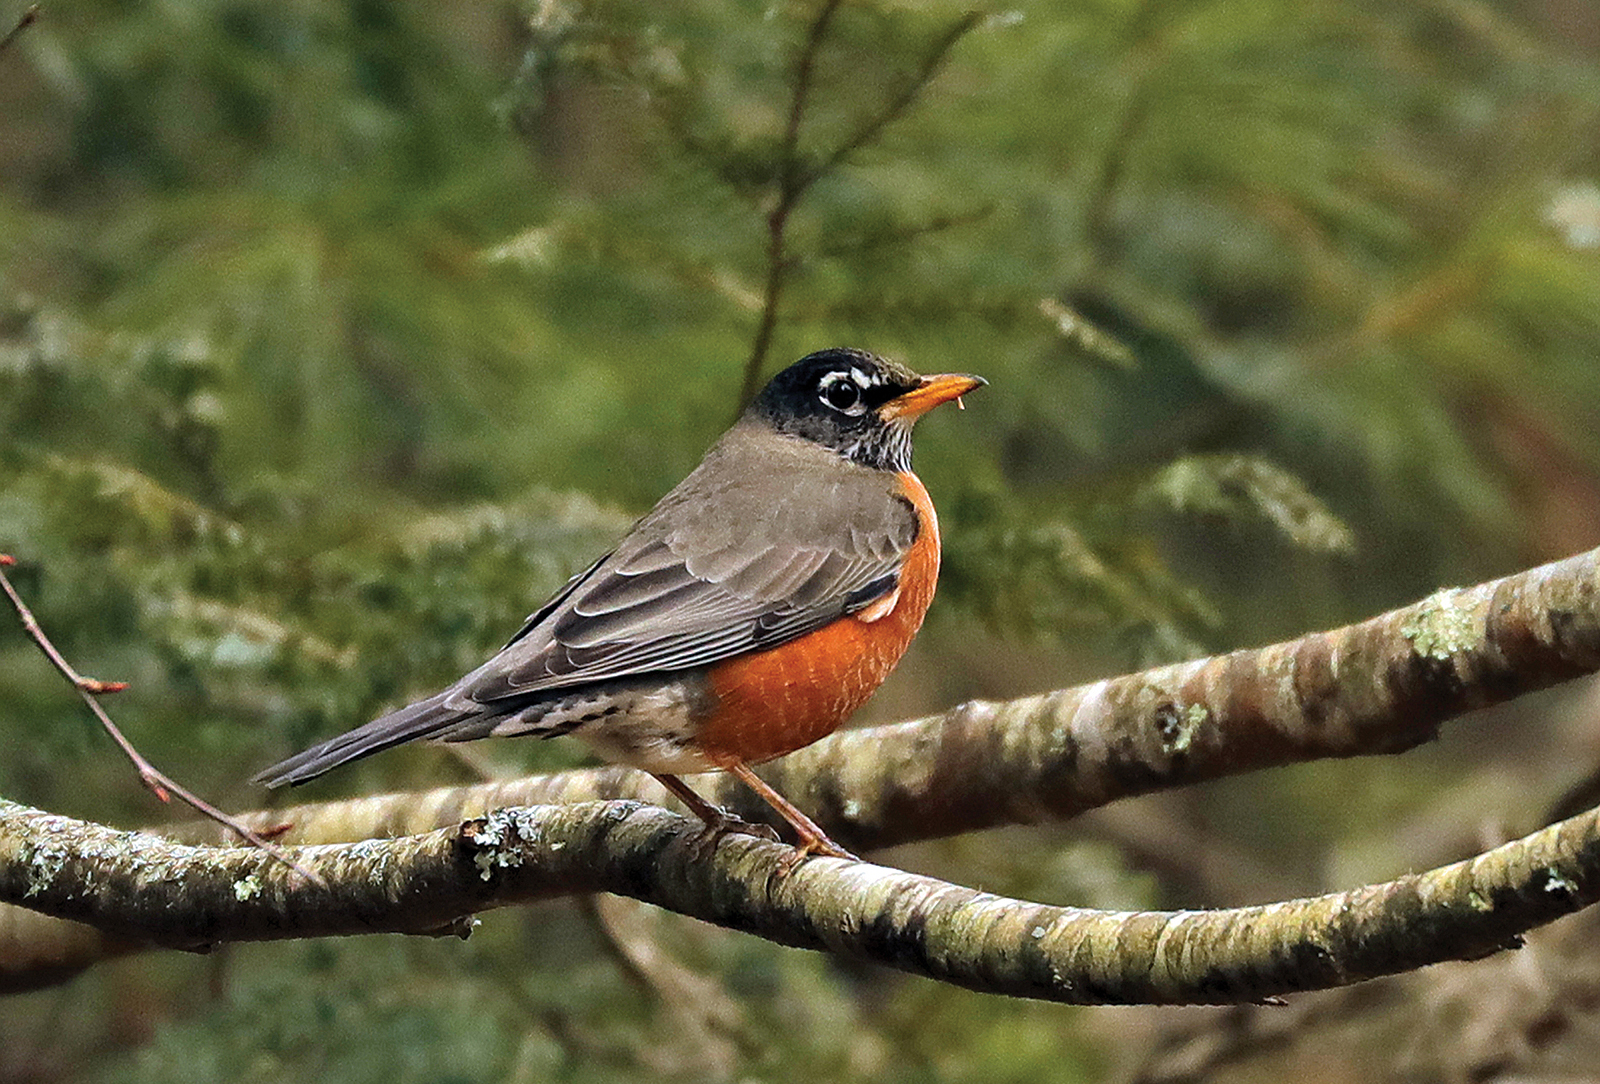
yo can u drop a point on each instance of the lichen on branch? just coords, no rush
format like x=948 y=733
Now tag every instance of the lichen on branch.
x=1377 y=687
x=141 y=886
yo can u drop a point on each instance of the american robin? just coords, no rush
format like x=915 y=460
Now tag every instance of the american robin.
x=747 y=615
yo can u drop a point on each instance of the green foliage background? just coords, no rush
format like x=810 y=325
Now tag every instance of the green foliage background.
x=334 y=336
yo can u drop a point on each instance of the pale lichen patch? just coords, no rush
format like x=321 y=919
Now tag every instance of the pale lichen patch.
x=1444 y=624
x=44 y=866
x=1177 y=726
x=499 y=837
x=1558 y=884
x=247 y=888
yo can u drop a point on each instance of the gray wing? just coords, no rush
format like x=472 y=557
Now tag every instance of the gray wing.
x=728 y=562
x=688 y=588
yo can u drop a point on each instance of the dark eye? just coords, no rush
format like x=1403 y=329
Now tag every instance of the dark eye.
x=842 y=393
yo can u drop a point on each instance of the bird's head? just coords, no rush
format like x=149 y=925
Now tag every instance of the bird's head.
x=855 y=403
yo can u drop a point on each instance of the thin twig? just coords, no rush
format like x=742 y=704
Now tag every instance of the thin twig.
x=163 y=786
x=804 y=68
x=794 y=181
x=29 y=17
x=705 y=1026
x=1132 y=113
x=792 y=185
x=899 y=235
x=900 y=102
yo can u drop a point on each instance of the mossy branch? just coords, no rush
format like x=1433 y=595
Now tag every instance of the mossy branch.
x=1378 y=687
x=1381 y=686
x=141 y=886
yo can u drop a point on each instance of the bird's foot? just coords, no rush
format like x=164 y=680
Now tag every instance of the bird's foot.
x=722 y=823
x=718 y=821
x=819 y=845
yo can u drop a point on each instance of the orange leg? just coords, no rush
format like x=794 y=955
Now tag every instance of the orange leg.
x=813 y=840
x=717 y=821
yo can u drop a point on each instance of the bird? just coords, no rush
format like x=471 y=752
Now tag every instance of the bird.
x=747 y=615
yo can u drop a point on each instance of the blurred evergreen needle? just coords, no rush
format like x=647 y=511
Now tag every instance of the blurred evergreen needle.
x=29 y=17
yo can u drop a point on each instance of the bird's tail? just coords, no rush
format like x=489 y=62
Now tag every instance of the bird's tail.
x=424 y=719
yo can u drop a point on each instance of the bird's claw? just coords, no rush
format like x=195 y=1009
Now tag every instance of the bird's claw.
x=726 y=823
x=821 y=846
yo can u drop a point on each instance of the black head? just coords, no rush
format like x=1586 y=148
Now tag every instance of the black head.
x=858 y=404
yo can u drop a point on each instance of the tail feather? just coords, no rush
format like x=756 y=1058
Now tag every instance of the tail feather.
x=424 y=719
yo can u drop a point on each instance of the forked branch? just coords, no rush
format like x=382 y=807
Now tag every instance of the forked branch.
x=794 y=178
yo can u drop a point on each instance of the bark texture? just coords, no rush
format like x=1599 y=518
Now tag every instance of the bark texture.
x=1378 y=687
x=140 y=886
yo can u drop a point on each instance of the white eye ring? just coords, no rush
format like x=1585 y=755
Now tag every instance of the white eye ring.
x=842 y=392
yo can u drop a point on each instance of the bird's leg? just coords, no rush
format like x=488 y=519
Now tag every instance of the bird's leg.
x=813 y=840
x=718 y=821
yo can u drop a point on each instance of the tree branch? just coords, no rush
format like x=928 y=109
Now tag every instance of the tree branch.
x=902 y=101
x=159 y=783
x=1378 y=687
x=141 y=886
x=792 y=184
x=794 y=179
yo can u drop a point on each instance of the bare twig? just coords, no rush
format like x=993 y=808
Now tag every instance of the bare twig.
x=805 y=65
x=704 y=1024
x=29 y=17
x=899 y=235
x=931 y=63
x=792 y=185
x=163 y=786
x=795 y=180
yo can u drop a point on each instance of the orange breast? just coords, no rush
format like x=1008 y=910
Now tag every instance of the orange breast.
x=773 y=702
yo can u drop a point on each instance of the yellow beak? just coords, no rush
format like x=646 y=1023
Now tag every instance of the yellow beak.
x=930 y=393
